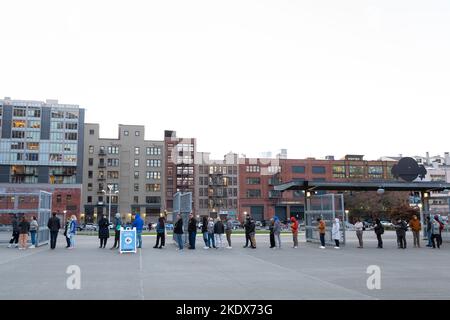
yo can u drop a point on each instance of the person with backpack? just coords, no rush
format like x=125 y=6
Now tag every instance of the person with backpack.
x=219 y=230
x=401 y=227
x=53 y=225
x=294 y=230
x=271 y=235
x=24 y=229
x=321 y=228
x=160 y=233
x=436 y=232
x=34 y=227
x=117 y=226
x=416 y=227
x=379 y=230
x=336 y=232
x=178 y=232
x=66 y=233
x=277 y=231
x=15 y=232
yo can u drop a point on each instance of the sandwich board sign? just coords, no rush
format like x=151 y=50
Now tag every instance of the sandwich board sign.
x=127 y=240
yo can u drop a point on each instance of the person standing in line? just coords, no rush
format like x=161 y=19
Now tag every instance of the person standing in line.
x=178 y=232
x=138 y=223
x=34 y=227
x=211 y=240
x=117 y=226
x=15 y=232
x=252 y=233
x=321 y=228
x=442 y=225
x=53 y=225
x=192 y=231
x=247 y=231
x=436 y=232
x=205 y=232
x=359 y=227
x=24 y=229
x=271 y=235
x=229 y=231
x=294 y=229
x=400 y=229
x=416 y=227
x=72 y=231
x=103 y=231
x=336 y=232
x=160 y=233
x=379 y=230
x=66 y=232
x=219 y=230
x=277 y=232
x=429 y=226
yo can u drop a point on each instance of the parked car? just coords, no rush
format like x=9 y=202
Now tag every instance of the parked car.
x=91 y=227
x=236 y=224
x=387 y=224
x=169 y=226
x=81 y=227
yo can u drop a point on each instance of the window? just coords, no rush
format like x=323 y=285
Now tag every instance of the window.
x=19 y=112
x=253 y=180
x=71 y=136
x=34 y=113
x=136 y=150
x=137 y=133
x=33 y=146
x=153 y=163
x=68 y=197
x=153 y=175
x=339 y=171
x=55 y=157
x=58 y=198
x=252 y=169
x=57 y=125
x=153 y=187
x=153 y=151
x=126 y=133
x=19 y=123
x=273 y=169
x=33 y=124
x=90 y=174
x=155 y=200
x=72 y=115
x=356 y=172
x=113 y=150
x=253 y=193
x=375 y=172
x=91 y=132
x=318 y=170
x=113 y=162
x=89 y=186
x=32 y=157
x=136 y=187
x=57 y=114
x=298 y=169
x=136 y=162
x=89 y=199
x=18 y=134
x=136 y=174
x=91 y=149
x=113 y=174
x=136 y=199
x=17 y=145
x=71 y=126
x=91 y=162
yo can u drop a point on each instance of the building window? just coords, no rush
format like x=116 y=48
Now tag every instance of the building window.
x=253 y=180
x=356 y=172
x=113 y=174
x=91 y=132
x=113 y=150
x=153 y=175
x=136 y=150
x=90 y=174
x=89 y=199
x=71 y=136
x=136 y=162
x=375 y=172
x=89 y=186
x=252 y=169
x=136 y=174
x=32 y=157
x=91 y=149
x=137 y=133
x=298 y=169
x=154 y=200
x=339 y=172
x=136 y=187
x=113 y=162
x=18 y=134
x=253 y=193
x=136 y=199
x=91 y=162
x=152 y=187
x=68 y=197
x=126 y=133
x=318 y=170
x=153 y=163
x=19 y=112
x=58 y=198
x=19 y=123
x=71 y=126
x=153 y=151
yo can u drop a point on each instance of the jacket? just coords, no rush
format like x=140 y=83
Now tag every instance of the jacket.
x=160 y=226
x=400 y=228
x=252 y=227
x=359 y=226
x=219 y=228
x=192 y=226
x=210 y=227
x=54 y=224
x=435 y=227
x=378 y=229
x=138 y=223
x=34 y=226
x=228 y=226
x=415 y=225
x=66 y=228
x=321 y=227
x=204 y=225
x=73 y=227
x=103 y=228
x=24 y=227
x=117 y=224
x=336 y=231
x=271 y=225
x=15 y=225
x=247 y=226
x=277 y=226
x=178 y=229
x=294 y=225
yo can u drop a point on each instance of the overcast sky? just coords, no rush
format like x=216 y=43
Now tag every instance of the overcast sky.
x=315 y=77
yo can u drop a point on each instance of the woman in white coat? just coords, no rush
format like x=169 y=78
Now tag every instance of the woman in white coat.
x=336 y=232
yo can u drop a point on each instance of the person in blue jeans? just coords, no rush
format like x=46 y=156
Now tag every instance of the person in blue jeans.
x=211 y=233
x=138 y=223
x=192 y=230
x=34 y=226
x=72 y=231
x=429 y=231
x=205 y=231
x=178 y=232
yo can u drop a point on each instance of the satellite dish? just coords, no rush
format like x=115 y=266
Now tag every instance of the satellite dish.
x=408 y=169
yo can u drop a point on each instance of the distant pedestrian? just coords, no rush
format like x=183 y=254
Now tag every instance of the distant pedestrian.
x=103 y=231
x=247 y=226
x=436 y=232
x=66 y=232
x=160 y=233
x=359 y=227
x=321 y=228
x=72 y=231
x=416 y=227
x=150 y=226
x=379 y=230
x=294 y=230
x=271 y=235
x=53 y=225
x=336 y=232
x=211 y=240
x=442 y=225
x=138 y=223
x=429 y=226
x=252 y=233
x=117 y=226
x=192 y=231
x=277 y=231
x=205 y=232
x=219 y=230
x=178 y=232
x=400 y=228
x=229 y=231
x=24 y=229
x=15 y=232
x=34 y=227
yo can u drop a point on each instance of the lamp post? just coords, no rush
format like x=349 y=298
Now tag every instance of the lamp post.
x=64 y=211
x=346 y=217
x=110 y=194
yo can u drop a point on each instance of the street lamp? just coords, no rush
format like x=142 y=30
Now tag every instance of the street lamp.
x=110 y=194
x=346 y=216
x=65 y=211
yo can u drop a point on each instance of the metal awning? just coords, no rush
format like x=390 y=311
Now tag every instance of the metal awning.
x=363 y=186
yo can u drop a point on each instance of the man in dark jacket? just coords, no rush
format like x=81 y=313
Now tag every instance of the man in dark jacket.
x=247 y=227
x=400 y=228
x=15 y=233
x=178 y=232
x=192 y=231
x=379 y=230
x=53 y=225
x=252 y=233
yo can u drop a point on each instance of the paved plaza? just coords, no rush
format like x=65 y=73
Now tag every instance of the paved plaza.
x=304 y=273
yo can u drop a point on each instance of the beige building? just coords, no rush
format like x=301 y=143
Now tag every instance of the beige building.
x=129 y=168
